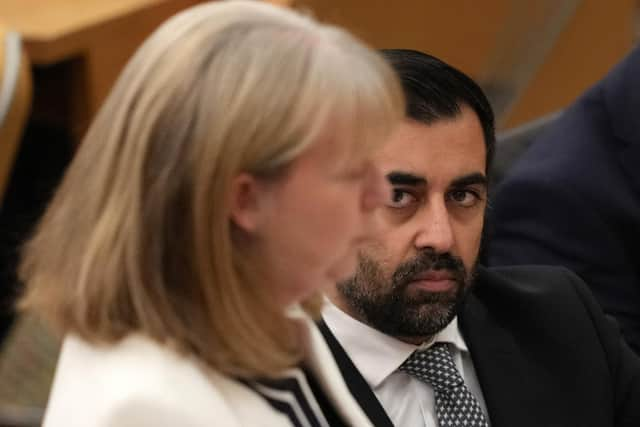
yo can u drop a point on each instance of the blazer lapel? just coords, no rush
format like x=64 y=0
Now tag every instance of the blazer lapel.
x=355 y=382
x=517 y=389
x=498 y=371
x=321 y=362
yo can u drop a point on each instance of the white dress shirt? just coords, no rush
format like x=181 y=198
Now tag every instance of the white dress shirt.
x=407 y=400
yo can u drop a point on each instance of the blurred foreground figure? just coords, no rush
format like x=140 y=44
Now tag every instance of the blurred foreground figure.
x=573 y=199
x=442 y=341
x=225 y=181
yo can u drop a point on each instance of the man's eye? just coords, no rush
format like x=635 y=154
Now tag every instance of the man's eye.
x=464 y=198
x=400 y=199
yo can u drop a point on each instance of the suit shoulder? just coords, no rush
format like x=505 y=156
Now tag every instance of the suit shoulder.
x=530 y=280
x=543 y=297
x=135 y=382
x=580 y=132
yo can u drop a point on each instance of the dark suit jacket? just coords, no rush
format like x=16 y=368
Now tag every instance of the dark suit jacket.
x=573 y=199
x=543 y=351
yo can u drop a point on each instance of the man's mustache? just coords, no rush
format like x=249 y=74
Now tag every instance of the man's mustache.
x=424 y=262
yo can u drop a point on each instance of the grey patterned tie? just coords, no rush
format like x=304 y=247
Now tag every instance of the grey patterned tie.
x=455 y=405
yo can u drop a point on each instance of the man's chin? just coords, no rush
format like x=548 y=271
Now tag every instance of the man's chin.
x=413 y=318
x=426 y=321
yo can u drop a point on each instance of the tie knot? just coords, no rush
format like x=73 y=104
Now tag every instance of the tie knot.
x=435 y=366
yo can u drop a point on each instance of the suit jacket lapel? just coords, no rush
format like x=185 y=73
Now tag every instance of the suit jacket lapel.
x=498 y=371
x=355 y=382
x=517 y=389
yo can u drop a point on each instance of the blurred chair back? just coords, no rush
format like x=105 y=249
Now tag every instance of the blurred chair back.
x=512 y=143
x=15 y=100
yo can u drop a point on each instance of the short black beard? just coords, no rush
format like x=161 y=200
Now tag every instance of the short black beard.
x=387 y=305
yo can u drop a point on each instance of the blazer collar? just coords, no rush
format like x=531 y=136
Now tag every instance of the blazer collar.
x=355 y=381
x=319 y=360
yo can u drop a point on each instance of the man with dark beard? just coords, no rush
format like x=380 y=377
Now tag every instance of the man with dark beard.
x=425 y=336
x=411 y=315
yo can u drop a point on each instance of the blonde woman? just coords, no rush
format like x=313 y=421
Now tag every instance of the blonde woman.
x=224 y=182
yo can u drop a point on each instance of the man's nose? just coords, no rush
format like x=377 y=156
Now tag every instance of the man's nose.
x=435 y=232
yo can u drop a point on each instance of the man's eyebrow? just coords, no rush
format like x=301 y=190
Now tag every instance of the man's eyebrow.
x=470 y=179
x=405 y=178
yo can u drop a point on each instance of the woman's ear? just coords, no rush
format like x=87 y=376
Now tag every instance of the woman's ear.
x=246 y=206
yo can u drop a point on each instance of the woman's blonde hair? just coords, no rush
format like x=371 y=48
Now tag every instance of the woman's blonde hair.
x=138 y=236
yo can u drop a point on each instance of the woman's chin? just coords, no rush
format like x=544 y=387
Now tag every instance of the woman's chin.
x=344 y=270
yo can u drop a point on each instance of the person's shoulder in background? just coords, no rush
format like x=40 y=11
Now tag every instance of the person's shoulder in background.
x=573 y=198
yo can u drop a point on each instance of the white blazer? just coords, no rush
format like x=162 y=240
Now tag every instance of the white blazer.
x=140 y=383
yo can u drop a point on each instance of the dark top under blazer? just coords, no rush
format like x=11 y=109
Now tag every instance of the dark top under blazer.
x=573 y=198
x=543 y=351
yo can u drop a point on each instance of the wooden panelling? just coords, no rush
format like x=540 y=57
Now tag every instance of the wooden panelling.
x=464 y=33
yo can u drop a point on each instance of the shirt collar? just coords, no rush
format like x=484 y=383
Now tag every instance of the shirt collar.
x=375 y=354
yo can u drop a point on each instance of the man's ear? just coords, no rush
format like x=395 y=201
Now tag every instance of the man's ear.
x=245 y=205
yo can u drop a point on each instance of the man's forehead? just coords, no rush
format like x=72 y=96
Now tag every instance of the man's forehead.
x=445 y=149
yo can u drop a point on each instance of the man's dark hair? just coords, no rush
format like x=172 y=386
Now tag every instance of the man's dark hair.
x=435 y=90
